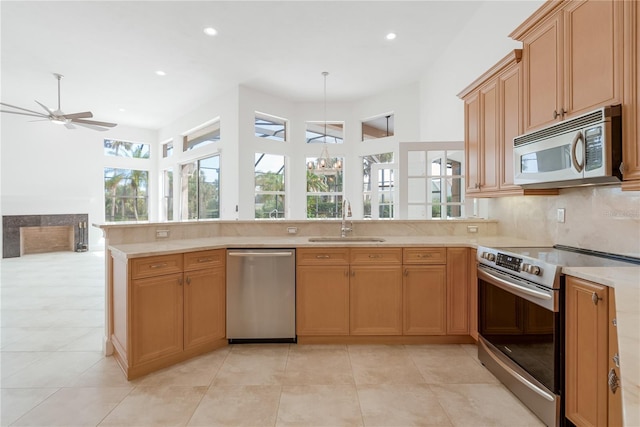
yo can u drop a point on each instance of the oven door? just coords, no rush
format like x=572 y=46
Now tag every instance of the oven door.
x=557 y=158
x=520 y=340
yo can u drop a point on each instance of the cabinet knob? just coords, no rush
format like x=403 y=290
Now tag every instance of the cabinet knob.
x=406 y=271
x=557 y=114
x=188 y=280
x=595 y=298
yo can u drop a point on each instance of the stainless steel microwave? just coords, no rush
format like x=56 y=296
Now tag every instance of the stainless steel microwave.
x=585 y=150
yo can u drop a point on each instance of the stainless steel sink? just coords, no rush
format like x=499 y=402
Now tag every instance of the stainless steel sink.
x=346 y=239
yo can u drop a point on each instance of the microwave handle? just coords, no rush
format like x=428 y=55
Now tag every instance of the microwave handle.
x=574 y=147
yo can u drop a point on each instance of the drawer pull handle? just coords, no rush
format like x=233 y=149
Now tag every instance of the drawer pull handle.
x=323 y=256
x=614 y=381
x=406 y=271
x=159 y=265
x=188 y=280
x=205 y=259
x=424 y=255
x=375 y=256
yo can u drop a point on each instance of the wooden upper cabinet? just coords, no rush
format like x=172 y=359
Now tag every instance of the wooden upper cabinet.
x=542 y=58
x=489 y=141
x=510 y=103
x=472 y=141
x=493 y=117
x=572 y=59
x=631 y=107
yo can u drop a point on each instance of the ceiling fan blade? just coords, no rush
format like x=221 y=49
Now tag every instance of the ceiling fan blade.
x=93 y=122
x=90 y=126
x=25 y=114
x=23 y=109
x=83 y=115
x=45 y=107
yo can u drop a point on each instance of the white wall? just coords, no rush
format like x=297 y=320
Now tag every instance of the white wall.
x=239 y=143
x=480 y=44
x=48 y=169
x=224 y=106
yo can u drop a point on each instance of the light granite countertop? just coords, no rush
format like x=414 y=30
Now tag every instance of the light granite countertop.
x=625 y=281
x=137 y=250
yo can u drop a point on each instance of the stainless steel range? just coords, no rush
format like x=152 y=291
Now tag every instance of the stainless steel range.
x=521 y=319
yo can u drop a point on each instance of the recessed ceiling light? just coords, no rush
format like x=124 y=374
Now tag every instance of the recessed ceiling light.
x=391 y=36
x=210 y=31
x=161 y=73
x=122 y=110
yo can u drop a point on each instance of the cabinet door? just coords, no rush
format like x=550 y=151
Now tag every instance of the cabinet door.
x=472 y=142
x=424 y=294
x=375 y=300
x=457 y=291
x=510 y=89
x=156 y=317
x=631 y=108
x=322 y=300
x=542 y=59
x=473 y=294
x=489 y=140
x=204 y=306
x=614 y=404
x=586 y=352
x=592 y=55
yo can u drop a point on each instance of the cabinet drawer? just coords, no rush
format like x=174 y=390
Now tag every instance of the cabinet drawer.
x=319 y=256
x=424 y=256
x=204 y=259
x=376 y=256
x=156 y=265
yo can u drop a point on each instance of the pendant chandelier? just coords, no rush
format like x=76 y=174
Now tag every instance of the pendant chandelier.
x=325 y=164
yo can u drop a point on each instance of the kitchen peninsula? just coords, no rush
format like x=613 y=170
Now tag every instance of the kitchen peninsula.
x=130 y=242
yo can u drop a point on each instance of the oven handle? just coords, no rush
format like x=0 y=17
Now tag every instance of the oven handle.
x=519 y=377
x=505 y=283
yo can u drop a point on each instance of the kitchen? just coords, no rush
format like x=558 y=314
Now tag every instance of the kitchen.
x=611 y=213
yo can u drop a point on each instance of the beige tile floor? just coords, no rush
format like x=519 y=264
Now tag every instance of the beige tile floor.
x=54 y=374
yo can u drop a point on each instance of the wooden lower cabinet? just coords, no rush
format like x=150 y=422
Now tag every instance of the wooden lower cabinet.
x=458 y=291
x=424 y=294
x=167 y=308
x=375 y=303
x=322 y=300
x=383 y=292
x=590 y=345
x=204 y=306
x=156 y=317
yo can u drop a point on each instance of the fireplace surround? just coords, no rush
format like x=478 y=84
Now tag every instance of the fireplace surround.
x=11 y=225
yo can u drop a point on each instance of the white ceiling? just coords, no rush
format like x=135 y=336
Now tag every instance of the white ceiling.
x=109 y=51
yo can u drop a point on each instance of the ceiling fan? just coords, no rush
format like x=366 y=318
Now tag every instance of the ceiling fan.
x=57 y=116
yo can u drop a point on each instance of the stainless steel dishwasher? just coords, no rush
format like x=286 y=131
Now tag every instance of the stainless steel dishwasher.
x=261 y=295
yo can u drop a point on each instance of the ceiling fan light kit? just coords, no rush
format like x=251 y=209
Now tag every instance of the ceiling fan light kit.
x=58 y=116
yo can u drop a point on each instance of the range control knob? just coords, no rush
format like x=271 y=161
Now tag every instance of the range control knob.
x=488 y=256
x=531 y=269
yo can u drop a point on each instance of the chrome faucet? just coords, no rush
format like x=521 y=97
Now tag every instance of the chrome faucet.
x=346 y=213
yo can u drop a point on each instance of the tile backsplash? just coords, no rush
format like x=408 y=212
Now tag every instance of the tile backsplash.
x=600 y=218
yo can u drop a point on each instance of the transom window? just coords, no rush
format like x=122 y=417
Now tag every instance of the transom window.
x=203 y=136
x=270 y=127
x=378 y=127
x=117 y=148
x=333 y=133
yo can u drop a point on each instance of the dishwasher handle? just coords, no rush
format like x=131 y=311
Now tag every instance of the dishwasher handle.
x=260 y=254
